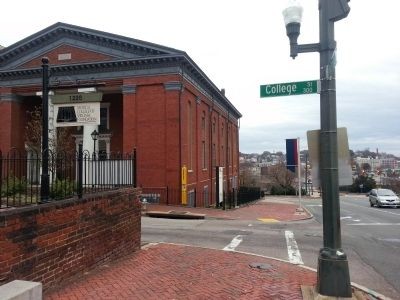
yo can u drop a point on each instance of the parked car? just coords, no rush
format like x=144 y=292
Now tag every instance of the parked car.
x=383 y=197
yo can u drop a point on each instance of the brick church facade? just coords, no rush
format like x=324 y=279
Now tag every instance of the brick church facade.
x=154 y=98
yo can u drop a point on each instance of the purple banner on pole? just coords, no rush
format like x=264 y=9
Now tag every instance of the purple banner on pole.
x=291 y=154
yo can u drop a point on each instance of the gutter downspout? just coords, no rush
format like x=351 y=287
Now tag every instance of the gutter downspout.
x=227 y=157
x=210 y=155
x=180 y=134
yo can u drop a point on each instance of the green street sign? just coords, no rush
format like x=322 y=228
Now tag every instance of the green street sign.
x=289 y=88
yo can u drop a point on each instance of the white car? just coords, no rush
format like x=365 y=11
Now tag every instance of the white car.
x=383 y=197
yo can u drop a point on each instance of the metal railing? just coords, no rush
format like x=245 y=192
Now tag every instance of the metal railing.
x=200 y=197
x=70 y=175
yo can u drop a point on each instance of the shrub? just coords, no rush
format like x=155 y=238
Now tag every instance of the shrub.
x=283 y=190
x=13 y=185
x=62 y=188
x=367 y=182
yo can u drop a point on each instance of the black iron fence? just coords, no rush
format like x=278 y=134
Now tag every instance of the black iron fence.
x=201 y=197
x=249 y=194
x=69 y=175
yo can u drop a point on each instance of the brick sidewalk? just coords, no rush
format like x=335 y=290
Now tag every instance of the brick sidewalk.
x=259 y=210
x=166 y=271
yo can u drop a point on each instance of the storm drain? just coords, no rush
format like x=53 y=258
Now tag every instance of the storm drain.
x=260 y=266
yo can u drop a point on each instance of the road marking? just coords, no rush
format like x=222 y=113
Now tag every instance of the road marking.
x=375 y=224
x=357 y=220
x=390 y=240
x=267 y=220
x=317 y=205
x=250 y=225
x=384 y=211
x=373 y=208
x=234 y=243
x=342 y=218
x=293 y=250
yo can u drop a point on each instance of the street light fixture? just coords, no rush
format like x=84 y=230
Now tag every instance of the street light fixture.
x=292 y=16
x=95 y=136
x=333 y=271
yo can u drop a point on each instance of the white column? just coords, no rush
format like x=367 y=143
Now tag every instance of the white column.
x=88 y=143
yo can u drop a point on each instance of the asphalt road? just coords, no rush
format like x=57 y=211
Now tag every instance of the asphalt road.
x=370 y=238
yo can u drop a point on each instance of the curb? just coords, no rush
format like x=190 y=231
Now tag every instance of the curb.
x=311 y=216
x=171 y=214
x=357 y=286
x=175 y=215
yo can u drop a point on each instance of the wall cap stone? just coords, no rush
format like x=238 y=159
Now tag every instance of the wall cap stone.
x=21 y=289
x=38 y=208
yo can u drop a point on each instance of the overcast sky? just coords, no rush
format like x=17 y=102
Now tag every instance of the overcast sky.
x=243 y=44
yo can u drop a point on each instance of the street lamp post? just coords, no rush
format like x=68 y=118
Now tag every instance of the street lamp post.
x=94 y=135
x=44 y=177
x=333 y=271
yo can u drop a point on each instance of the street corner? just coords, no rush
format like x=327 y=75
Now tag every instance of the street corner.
x=284 y=212
x=303 y=213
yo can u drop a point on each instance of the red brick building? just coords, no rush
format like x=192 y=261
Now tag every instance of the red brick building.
x=154 y=98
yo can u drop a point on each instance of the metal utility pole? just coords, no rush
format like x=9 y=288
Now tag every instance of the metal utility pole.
x=333 y=271
x=44 y=177
x=306 y=175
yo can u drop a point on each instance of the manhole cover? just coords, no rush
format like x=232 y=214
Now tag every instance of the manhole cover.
x=260 y=266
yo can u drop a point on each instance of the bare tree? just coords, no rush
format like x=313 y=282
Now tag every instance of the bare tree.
x=60 y=140
x=33 y=129
x=280 y=175
x=395 y=185
x=247 y=178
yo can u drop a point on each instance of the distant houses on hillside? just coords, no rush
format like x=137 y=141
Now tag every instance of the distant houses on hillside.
x=380 y=167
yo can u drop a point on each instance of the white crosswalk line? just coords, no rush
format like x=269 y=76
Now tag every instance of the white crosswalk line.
x=234 y=243
x=293 y=250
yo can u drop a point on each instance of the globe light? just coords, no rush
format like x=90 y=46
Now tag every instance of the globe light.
x=293 y=13
x=292 y=17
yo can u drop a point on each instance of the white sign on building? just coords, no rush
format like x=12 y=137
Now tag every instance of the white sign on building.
x=220 y=180
x=76 y=109
x=77 y=114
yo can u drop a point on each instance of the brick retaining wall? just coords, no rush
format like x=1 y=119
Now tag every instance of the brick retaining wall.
x=51 y=242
